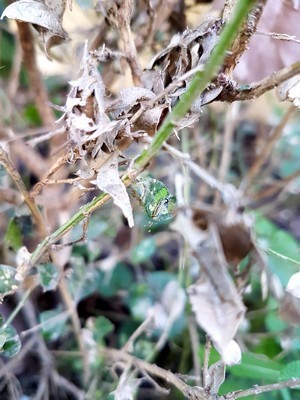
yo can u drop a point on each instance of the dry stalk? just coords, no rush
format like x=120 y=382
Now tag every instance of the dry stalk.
x=241 y=40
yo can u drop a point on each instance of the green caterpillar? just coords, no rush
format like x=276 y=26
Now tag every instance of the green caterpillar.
x=155 y=198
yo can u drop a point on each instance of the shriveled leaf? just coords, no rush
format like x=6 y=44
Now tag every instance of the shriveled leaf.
x=128 y=98
x=127 y=386
x=220 y=318
x=216 y=376
x=290 y=90
x=8 y=279
x=10 y=341
x=289 y=309
x=293 y=286
x=46 y=17
x=108 y=181
x=214 y=298
x=232 y=354
x=49 y=276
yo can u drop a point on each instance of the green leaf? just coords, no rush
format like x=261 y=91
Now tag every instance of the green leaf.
x=155 y=198
x=120 y=278
x=143 y=251
x=49 y=276
x=10 y=341
x=14 y=234
x=7 y=278
x=257 y=367
x=53 y=323
x=290 y=371
x=101 y=327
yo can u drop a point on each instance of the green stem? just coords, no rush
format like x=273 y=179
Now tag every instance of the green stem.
x=198 y=84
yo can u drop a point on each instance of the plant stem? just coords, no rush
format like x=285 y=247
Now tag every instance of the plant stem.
x=198 y=84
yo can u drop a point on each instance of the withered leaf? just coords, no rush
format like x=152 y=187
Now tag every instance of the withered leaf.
x=46 y=18
x=215 y=301
x=108 y=181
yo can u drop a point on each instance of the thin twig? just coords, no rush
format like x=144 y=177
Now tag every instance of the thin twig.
x=262 y=389
x=230 y=120
x=265 y=153
x=195 y=342
x=152 y=369
x=257 y=89
x=13 y=172
x=242 y=39
x=36 y=83
x=198 y=84
x=13 y=83
x=207 y=349
x=279 y=36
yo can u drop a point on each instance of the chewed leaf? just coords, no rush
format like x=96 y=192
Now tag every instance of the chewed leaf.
x=34 y=12
x=109 y=181
x=155 y=198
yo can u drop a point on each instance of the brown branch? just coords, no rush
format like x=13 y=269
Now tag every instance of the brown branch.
x=13 y=172
x=263 y=389
x=257 y=89
x=35 y=79
x=120 y=15
x=242 y=40
x=154 y=370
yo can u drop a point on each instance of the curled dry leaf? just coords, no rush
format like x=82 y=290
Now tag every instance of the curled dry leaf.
x=232 y=353
x=290 y=90
x=293 y=286
x=109 y=181
x=289 y=309
x=127 y=386
x=215 y=301
x=45 y=16
x=219 y=316
x=215 y=377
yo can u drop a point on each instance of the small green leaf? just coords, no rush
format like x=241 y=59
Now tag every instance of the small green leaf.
x=10 y=341
x=143 y=251
x=155 y=198
x=14 y=234
x=290 y=371
x=49 y=276
x=102 y=327
x=7 y=279
x=53 y=323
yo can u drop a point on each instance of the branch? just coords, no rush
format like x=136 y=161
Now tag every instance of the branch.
x=242 y=40
x=256 y=89
x=35 y=79
x=262 y=389
x=28 y=199
x=198 y=84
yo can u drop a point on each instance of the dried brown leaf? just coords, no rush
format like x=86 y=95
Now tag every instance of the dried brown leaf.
x=45 y=17
x=108 y=181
